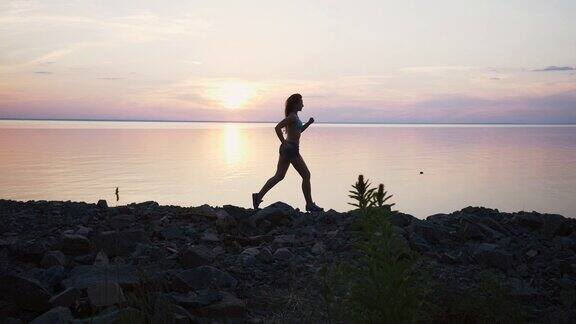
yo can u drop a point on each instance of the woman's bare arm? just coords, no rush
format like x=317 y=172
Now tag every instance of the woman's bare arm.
x=283 y=123
x=310 y=121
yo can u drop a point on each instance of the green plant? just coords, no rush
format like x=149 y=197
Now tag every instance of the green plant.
x=380 y=286
x=362 y=193
x=379 y=197
x=366 y=197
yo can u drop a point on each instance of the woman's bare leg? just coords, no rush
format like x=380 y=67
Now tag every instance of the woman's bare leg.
x=300 y=166
x=283 y=165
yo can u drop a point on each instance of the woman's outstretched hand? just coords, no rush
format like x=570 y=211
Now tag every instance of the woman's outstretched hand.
x=310 y=121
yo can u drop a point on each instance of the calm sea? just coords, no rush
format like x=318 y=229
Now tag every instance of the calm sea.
x=507 y=167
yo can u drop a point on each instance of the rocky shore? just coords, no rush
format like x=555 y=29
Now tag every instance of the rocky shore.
x=70 y=262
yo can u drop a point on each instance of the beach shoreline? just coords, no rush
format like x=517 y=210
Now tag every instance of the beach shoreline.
x=223 y=263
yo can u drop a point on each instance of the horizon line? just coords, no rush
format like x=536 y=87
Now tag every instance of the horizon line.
x=271 y=122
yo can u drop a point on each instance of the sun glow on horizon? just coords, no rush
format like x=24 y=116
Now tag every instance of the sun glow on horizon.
x=232 y=94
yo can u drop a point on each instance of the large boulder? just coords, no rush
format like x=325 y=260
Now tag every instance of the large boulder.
x=75 y=244
x=489 y=255
x=27 y=293
x=275 y=214
x=115 y=243
x=84 y=276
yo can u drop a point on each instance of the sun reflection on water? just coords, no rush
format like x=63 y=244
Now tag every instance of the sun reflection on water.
x=233 y=144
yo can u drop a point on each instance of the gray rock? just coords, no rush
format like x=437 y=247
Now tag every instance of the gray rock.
x=101 y=259
x=68 y=298
x=556 y=225
x=488 y=254
x=173 y=232
x=205 y=211
x=115 y=243
x=264 y=255
x=122 y=221
x=209 y=237
x=113 y=315
x=204 y=277
x=229 y=306
x=75 y=244
x=530 y=220
x=432 y=233
x=318 y=248
x=50 y=277
x=249 y=256
x=283 y=254
x=57 y=315
x=400 y=219
x=84 y=276
x=102 y=204
x=83 y=230
x=53 y=258
x=105 y=294
x=196 y=256
x=284 y=240
x=275 y=214
x=471 y=231
x=224 y=220
x=27 y=293
x=200 y=298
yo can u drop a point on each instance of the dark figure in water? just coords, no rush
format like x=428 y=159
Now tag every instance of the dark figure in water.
x=289 y=153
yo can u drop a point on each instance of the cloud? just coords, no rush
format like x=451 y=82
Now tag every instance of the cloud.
x=110 y=78
x=437 y=69
x=43 y=72
x=45 y=58
x=556 y=68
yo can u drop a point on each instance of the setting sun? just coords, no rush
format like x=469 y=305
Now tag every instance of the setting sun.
x=232 y=94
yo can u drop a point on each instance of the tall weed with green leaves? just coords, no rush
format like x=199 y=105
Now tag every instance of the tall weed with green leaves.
x=381 y=286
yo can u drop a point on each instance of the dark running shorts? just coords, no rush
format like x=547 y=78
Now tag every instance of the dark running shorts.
x=289 y=150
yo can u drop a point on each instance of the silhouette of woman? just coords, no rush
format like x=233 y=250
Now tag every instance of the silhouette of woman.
x=289 y=153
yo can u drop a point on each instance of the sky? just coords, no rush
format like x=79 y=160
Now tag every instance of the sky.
x=491 y=61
